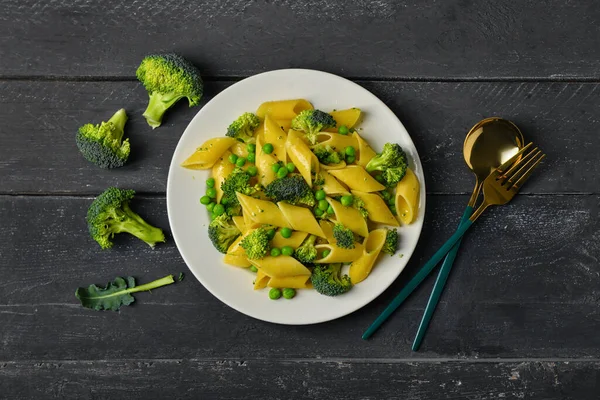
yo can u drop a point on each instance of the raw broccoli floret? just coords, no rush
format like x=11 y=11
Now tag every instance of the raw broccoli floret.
x=326 y=280
x=256 y=243
x=168 y=78
x=237 y=182
x=327 y=155
x=110 y=214
x=359 y=204
x=243 y=128
x=222 y=232
x=103 y=144
x=391 y=242
x=343 y=236
x=307 y=252
x=312 y=122
x=293 y=189
x=391 y=162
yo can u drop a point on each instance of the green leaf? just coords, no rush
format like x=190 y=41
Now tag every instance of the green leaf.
x=116 y=293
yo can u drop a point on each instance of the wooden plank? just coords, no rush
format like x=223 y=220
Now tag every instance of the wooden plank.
x=41 y=118
x=415 y=39
x=524 y=282
x=299 y=379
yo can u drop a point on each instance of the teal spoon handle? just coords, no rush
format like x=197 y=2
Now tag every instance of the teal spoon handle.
x=418 y=278
x=440 y=282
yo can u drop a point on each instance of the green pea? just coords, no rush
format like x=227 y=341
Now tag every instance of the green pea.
x=205 y=200
x=350 y=151
x=350 y=159
x=289 y=293
x=211 y=206
x=268 y=148
x=274 y=294
x=385 y=194
x=218 y=209
x=213 y=216
x=287 y=250
x=282 y=173
x=343 y=130
x=326 y=252
x=391 y=201
x=318 y=212
x=323 y=205
x=330 y=210
x=286 y=233
x=224 y=201
x=275 y=252
x=275 y=167
x=233 y=158
x=251 y=157
x=210 y=182
x=253 y=268
x=251 y=147
x=347 y=200
x=320 y=194
x=252 y=171
x=271 y=233
x=240 y=162
x=290 y=167
x=211 y=192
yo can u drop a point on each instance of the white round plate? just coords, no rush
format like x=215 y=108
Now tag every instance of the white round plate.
x=189 y=219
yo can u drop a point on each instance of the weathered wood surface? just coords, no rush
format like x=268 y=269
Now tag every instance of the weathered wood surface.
x=525 y=285
x=300 y=379
x=38 y=153
x=382 y=39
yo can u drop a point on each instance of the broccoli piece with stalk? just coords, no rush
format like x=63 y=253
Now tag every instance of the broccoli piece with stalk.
x=237 y=182
x=293 y=189
x=307 y=252
x=168 y=78
x=391 y=242
x=222 y=232
x=327 y=155
x=109 y=213
x=343 y=236
x=243 y=128
x=391 y=162
x=103 y=144
x=326 y=280
x=256 y=243
x=312 y=122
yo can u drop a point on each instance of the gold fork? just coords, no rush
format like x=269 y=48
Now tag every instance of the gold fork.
x=498 y=188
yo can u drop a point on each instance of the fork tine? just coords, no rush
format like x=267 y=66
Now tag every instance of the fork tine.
x=517 y=185
x=510 y=162
x=517 y=169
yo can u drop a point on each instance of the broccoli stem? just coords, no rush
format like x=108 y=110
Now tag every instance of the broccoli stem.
x=157 y=105
x=135 y=225
x=167 y=280
x=118 y=120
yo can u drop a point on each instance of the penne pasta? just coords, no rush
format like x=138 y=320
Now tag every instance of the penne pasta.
x=301 y=219
x=301 y=155
x=365 y=152
x=283 y=109
x=361 y=268
x=332 y=186
x=337 y=254
x=407 y=198
x=357 y=178
x=295 y=282
x=376 y=207
x=282 y=266
x=277 y=137
x=350 y=217
x=208 y=153
x=264 y=163
x=349 y=118
x=221 y=170
x=293 y=241
x=236 y=260
x=336 y=141
x=262 y=211
x=261 y=280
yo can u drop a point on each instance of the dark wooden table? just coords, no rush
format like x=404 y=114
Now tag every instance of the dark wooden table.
x=520 y=317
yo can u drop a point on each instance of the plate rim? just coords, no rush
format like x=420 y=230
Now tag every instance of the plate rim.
x=418 y=171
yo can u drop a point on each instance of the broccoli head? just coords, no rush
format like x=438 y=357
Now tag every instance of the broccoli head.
x=312 y=122
x=243 y=128
x=344 y=237
x=109 y=213
x=307 y=252
x=168 y=78
x=326 y=280
x=237 y=182
x=391 y=242
x=327 y=155
x=293 y=189
x=391 y=162
x=256 y=243
x=359 y=204
x=222 y=232
x=103 y=144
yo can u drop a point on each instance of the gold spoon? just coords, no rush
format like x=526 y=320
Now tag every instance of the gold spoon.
x=489 y=144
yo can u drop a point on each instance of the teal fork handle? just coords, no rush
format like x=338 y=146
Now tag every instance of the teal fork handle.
x=418 y=278
x=440 y=282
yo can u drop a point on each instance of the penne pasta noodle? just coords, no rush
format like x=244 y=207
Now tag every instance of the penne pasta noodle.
x=407 y=197
x=208 y=153
x=283 y=109
x=361 y=268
